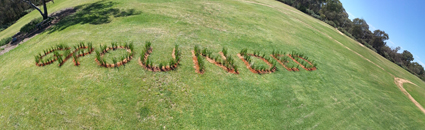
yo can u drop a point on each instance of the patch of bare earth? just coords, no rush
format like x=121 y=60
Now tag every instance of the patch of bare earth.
x=399 y=82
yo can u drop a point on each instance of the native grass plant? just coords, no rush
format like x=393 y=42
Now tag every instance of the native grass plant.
x=198 y=56
x=75 y=59
x=229 y=62
x=144 y=55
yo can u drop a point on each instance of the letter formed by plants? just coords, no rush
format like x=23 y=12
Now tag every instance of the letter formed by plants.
x=80 y=51
x=246 y=58
x=62 y=58
x=147 y=64
x=302 y=61
x=226 y=61
x=197 y=60
x=115 y=63
x=40 y=59
x=284 y=60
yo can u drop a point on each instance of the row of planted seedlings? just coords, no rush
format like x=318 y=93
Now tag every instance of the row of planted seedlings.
x=101 y=61
x=78 y=52
x=197 y=59
x=226 y=61
x=285 y=61
x=40 y=59
x=147 y=63
x=304 y=61
x=246 y=58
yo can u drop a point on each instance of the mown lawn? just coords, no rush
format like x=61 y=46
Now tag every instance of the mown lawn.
x=346 y=92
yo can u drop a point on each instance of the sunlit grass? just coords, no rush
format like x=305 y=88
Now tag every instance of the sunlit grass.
x=346 y=92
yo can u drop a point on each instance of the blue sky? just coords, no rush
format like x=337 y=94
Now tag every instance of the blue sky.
x=402 y=20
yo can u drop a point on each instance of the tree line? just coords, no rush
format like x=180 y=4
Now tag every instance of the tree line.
x=12 y=10
x=333 y=13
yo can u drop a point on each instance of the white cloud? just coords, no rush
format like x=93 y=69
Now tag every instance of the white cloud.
x=392 y=43
x=371 y=26
x=351 y=15
x=416 y=56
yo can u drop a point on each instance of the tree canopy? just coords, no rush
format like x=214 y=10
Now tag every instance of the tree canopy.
x=333 y=13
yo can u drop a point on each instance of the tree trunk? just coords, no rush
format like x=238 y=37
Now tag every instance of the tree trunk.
x=45 y=16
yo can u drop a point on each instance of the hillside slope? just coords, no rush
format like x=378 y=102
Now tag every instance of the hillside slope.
x=353 y=88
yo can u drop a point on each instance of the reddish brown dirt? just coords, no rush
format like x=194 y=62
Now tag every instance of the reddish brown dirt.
x=221 y=65
x=195 y=61
x=399 y=82
x=281 y=63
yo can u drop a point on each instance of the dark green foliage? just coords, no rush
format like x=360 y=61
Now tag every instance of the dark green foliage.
x=198 y=56
x=5 y=41
x=114 y=60
x=90 y=46
x=243 y=52
x=160 y=66
x=12 y=10
x=31 y=25
x=224 y=51
x=37 y=59
x=177 y=53
x=131 y=46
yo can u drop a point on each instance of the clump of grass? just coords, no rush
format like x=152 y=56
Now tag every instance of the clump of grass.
x=37 y=59
x=145 y=52
x=89 y=46
x=198 y=54
x=243 y=52
x=58 y=56
x=5 y=41
x=177 y=53
x=114 y=60
x=131 y=47
x=229 y=62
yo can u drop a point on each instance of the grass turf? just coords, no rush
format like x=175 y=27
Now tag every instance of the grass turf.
x=346 y=91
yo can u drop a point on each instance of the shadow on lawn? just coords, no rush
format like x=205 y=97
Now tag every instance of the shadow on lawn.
x=94 y=13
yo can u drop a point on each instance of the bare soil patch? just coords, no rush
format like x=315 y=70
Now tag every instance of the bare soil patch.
x=399 y=82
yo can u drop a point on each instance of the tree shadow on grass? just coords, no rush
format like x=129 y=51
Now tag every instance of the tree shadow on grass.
x=96 y=13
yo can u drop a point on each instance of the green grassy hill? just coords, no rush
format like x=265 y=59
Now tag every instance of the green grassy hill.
x=353 y=87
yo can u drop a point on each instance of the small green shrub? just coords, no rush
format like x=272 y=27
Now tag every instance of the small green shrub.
x=5 y=41
x=31 y=25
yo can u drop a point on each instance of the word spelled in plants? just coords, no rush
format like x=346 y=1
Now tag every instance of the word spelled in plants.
x=291 y=62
